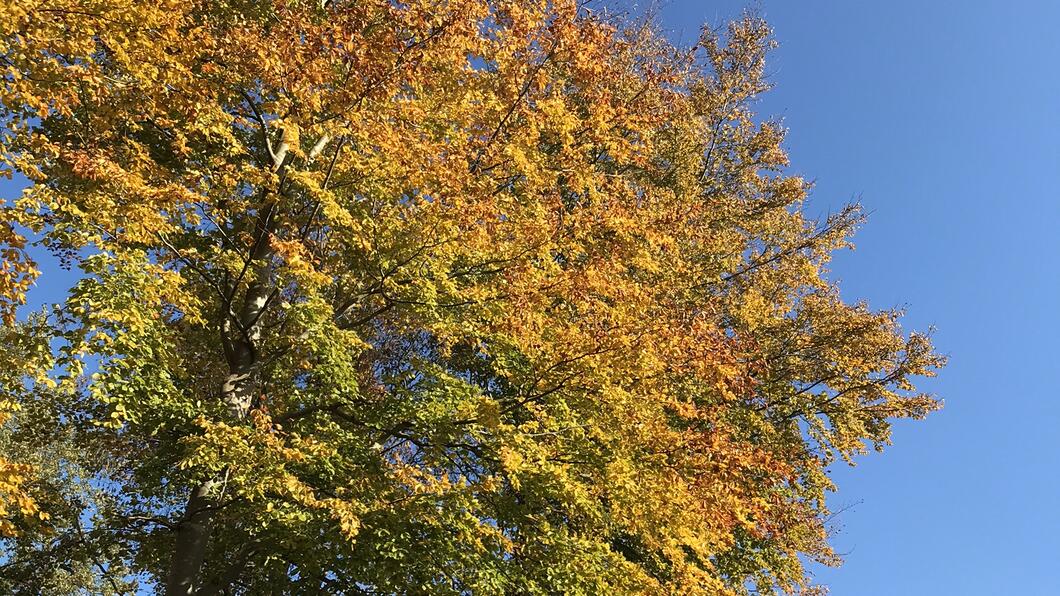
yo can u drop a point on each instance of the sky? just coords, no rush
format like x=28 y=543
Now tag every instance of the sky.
x=943 y=119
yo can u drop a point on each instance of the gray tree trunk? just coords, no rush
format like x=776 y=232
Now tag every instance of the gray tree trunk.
x=237 y=393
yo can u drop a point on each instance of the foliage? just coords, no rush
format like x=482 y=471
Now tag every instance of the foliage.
x=419 y=297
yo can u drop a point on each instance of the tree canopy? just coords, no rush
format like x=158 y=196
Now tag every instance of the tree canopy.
x=377 y=297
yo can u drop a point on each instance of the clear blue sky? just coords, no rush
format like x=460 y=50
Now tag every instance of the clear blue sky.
x=944 y=118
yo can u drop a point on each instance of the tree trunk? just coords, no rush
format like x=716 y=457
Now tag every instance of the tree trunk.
x=237 y=393
x=239 y=387
x=193 y=535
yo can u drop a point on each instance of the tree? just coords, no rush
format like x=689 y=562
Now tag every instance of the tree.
x=501 y=297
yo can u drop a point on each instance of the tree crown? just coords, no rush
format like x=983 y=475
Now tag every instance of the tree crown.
x=419 y=297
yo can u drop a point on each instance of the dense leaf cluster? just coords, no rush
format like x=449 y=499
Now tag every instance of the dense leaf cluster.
x=418 y=297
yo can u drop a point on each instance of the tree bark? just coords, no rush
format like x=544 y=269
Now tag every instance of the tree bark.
x=240 y=336
x=193 y=535
x=237 y=393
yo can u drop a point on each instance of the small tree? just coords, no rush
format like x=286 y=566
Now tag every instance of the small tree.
x=418 y=297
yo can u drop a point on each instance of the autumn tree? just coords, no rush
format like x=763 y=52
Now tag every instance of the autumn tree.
x=456 y=297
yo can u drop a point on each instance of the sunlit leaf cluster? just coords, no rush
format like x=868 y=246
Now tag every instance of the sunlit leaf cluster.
x=420 y=297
